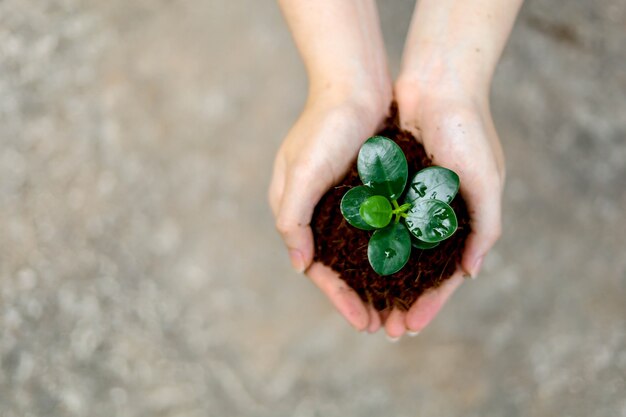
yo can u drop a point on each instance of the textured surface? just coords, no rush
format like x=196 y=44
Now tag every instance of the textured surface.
x=136 y=139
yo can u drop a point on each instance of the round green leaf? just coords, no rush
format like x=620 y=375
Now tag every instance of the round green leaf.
x=420 y=244
x=383 y=167
x=389 y=249
x=376 y=211
x=351 y=203
x=431 y=221
x=435 y=183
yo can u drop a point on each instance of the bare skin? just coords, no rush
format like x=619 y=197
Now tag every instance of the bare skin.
x=442 y=91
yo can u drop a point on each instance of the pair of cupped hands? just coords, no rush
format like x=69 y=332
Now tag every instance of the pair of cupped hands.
x=321 y=147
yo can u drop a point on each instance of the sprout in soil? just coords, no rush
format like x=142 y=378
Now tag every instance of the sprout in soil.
x=422 y=218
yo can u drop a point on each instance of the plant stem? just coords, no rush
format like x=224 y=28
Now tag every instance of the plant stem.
x=405 y=207
x=400 y=210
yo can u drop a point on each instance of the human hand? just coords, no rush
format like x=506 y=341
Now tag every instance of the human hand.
x=349 y=95
x=449 y=59
x=450 y=55
x=316 y=154
x=457 y=130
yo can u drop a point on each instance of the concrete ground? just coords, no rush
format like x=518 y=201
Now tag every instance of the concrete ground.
x=140 y=274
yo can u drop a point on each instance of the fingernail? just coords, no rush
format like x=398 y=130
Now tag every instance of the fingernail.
x=412 y=334
x=477 y=265
x=392 y=339
x=297 y=260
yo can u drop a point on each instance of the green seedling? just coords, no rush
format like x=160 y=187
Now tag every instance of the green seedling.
x=401 y=215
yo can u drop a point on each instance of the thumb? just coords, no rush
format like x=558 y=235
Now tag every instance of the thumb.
x=300 y=195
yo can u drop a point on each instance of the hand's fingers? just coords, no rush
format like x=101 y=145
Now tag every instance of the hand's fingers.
x=344 y=298
x=375 y=321
x=483 y=197
x=301 y=193
x=395 y=324
x=428 y=305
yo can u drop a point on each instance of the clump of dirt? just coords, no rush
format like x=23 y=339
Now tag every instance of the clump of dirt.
x=344 y=248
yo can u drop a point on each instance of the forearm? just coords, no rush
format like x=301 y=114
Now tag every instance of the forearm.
x=341 y=45
x=456 y=44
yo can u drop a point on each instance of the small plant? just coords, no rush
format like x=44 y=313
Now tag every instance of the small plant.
x=422 y=219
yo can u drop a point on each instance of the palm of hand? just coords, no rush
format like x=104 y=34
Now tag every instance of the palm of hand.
x=318 y=152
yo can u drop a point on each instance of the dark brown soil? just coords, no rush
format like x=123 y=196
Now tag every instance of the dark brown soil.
x=344 y=248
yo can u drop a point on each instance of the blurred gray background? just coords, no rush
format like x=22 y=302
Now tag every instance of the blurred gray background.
x=140 y=274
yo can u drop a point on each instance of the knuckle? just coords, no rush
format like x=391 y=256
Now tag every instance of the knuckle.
x=283 y=225
x=274 y=193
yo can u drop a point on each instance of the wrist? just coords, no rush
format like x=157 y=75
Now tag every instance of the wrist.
x=439 y=68
x=418 y=99
x=444 y=84
x=437 y=81
x=430 y=91
x=371 y=94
